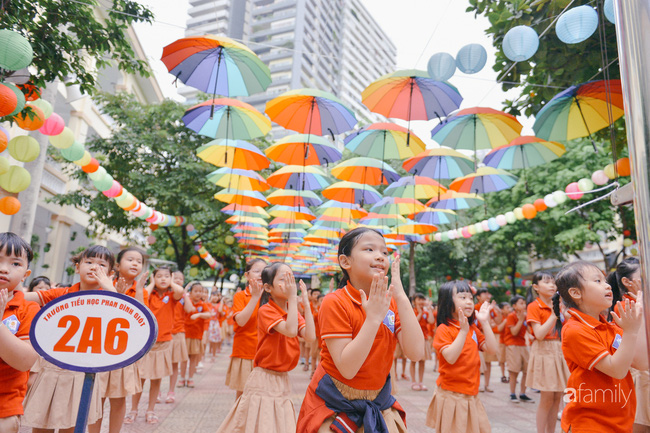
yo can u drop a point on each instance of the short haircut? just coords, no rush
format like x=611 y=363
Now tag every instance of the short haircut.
x=13 y=245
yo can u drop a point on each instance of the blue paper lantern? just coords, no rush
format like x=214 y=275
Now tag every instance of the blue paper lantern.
x=471 y=58
x=441 y=66
x=520 y=43
x=609 y=11
x=492 y=223
x=577 y=24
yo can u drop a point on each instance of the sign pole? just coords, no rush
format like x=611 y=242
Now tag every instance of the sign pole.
x=84 y=403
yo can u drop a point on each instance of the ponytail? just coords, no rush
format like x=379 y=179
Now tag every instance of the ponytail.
x=556 y=309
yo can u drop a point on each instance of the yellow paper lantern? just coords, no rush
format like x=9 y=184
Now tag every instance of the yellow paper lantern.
x=84 y=160
x=16 y=179
x=519 y=213
x=194 y=272
x=609 y=171
x=169 y=251
x=4 y=165
x=24 y=148
x=64 y=140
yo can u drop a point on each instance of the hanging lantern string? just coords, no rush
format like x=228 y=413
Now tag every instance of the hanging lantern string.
x=614 y=185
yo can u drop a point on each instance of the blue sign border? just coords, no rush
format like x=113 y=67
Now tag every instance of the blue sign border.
x=153 y=328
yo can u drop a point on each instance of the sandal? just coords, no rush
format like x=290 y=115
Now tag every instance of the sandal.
x=504 y=379
x=159 y=399
x=405 y=377
x=423 y=387
x=171 y=397
x=190 y=383
x=488 y=389
x=181 y=383
x=416 y=387
x=151 y=417
x=130 y=417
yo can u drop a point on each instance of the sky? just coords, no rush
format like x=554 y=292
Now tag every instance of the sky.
x=418 y=28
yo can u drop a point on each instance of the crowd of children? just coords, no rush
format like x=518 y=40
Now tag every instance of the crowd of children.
x=578 y=338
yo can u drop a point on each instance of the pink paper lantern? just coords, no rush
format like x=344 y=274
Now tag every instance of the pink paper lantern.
x=485 y=225
x=599 y=177
x=501 y=220
x=114 y=191
x=151 y=240
x=465 y=232
x=573 y=191
x=53 y=125
x=190 y=227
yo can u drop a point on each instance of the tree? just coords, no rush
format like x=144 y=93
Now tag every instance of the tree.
x=153 y=155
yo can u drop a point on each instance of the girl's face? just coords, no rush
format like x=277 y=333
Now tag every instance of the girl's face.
x=420 y=303
x=368 y=257
x=197 y=293
x=520 y=305
x=131 y=264
x=255 y=272
x=163 y=279
x=178 y=278
x=88 y=267
x=627 y=282
x=41 y=286
x=596 y=295
x=463 y=300
x=281 y=289
x=545 y=288
x=507 y=309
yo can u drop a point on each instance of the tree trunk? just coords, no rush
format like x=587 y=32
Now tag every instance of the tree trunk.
x=411 y=268
x=23 y=222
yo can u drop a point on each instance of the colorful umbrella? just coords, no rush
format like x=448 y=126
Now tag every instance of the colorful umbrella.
x=237 y=220
x=303 y=149
x=368 y=171
x=524 y=152
x=238 y=178
x=235 y=154
x=217 y=65
x=351 y=192
x=299 y=177
x=486 y=179
x=397 y=206
x=415 y=187
x=342 y=210
x=455 y=201
x=379 y=219
x=237 y=209
x=435 y=216
x=289 y=197
x=579 y=111
x=384 y=141
x=227 y=118
x=285 y=223
x=416 y=228
x=311 y=111
x=247 y=198
x=292 y=212
x=440 y=163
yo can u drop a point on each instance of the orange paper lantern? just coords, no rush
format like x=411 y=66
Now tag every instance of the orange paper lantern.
x=30 y=124
x=4 y=140
x=195 y=260
x=9 y=205
x=540 y=206
x=8 y=100
x=529 y=211
x=623 y=167
x=32 y=93
x=91 y=167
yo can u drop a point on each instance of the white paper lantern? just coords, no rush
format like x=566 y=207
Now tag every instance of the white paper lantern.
x=520 y=43
x=471 y=58
x=577 y=24
x=441 y=66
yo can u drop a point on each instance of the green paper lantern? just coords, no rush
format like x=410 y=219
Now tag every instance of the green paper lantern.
x=15 y=51
x=24 y=148
x=97 y=174
x=169 y=251
x=64 y=140
x=4 y=165
x=20 y=96
x=104 y=184
x=16 y=179
x=194 y=272
x=74 y=152
x=45 y=106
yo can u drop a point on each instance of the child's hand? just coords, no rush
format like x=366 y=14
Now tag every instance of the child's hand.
x=256 y=288
x=290 y=284
x=142 y=281
x=4 y=299
x=521 y=315
x=462 y=320
x=304 y=297
x=395 y=269
x=103 y=279
x=483 y=315
x=120 y=285
x=377 y=303
x=630 y=314
x=194 y=316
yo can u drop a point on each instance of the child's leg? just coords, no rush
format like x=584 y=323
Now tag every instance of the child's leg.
x=513 y=381
x=421 y=365
x=412 y=371
x=549 y=404
x=404 y=368
x=183 y=370
x=96 y=427
x=486 y=374
x=523 y=383
x=135 y=399
x=174 y=377
x=118 y=410
x=154 y=389
x=502 y=365
x=194 y=360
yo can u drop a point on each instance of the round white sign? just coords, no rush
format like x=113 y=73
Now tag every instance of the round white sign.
x=93 y=331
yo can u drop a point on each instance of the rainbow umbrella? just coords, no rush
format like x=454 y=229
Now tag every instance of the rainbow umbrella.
x=311 y=111
x=243 y=197
x=303 y=149
x=435 y=216
x=440 y=163
x=333 y=223
x=524 y=152
x=379 y=219
x=342 y=210
x=292 y=212
x=247 y=220
x=217 y=65
x=226 y=177
x=299 y=177
x=237 y=209
x=289 y=197
x=579 y=111
x=351 y=192
x=397 y=206
x=415 y=187
x=226 y=118
x=234 y=154
x=245 y=227
x=367 y=171
x=455 y=201
x=416 y=228
x=289 y=223
x=384 y=141
x=485 y=180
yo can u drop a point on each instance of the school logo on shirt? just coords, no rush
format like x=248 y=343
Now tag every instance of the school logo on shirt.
x=389 y=321
x=199 y=309
x=474 y=337
x=182 y=301
x=166 y=299
x=12 y=323
x=617 y=341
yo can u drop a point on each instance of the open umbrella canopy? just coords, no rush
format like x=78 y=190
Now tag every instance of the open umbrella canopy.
x=439 y=163
x=333 y=223
x=416 y=228
x=291 y=212
x=227 y=118
x=455 y=200
x=248 y=198
x=351 y=192
x=234 y=154
x=435 y=216
x=289 y=197
x=343 y=210
x=297 y=177
x=246 y=227
x=247 y=220
x=289 y=223
x=226 y=177
x=368 y=171
x=485 y=180
x=384 y=141
x=238 y=209
x=579 y=111
x=416 y=187
x=524 y=152
x=311 y=111
x=217 y=65
x=374 y=219
x=303 y=149
x=397 y=206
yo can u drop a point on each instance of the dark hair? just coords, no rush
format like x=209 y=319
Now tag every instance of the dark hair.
x=13 y=245
x=162 y=268
x=569 y=276
x=98 y=251
x=194 y=284
x=251 y=263
x=347 y=243
x=481 y=291
x=121 y=254
x=419 y=296
x=515 y=299
x=625 y=269
x=446 y=306
x=317 y=289
x=531 y=294
x=38 y=280
x=268 y=275
x=503 y=304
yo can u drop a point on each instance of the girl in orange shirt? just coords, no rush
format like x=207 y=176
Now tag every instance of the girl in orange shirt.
x=424 y=316
x=455 y=405
x=547 y=370
x=266 y=405
x=360 y=324
x=179 y=346
x=214 y=329
x=194 y=326
x=600 y=392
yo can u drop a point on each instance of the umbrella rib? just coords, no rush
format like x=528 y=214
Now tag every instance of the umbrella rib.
x=585 y=123
x=216 y=80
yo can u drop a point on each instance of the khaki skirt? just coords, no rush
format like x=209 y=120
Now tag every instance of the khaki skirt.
x=157 y=363
x=119 y=383
x=53 y=401
x=427 y=350
x=179 y=348
x=265 y=405
x=642 y=387
x=547 y=369
x=458 y=413
x=238 y=372
x=194 y=346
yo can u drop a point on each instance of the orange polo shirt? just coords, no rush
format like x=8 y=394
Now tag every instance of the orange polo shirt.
x=341 y=316
x=275 y=351
x=194 y=328
x=131 y=292
x=245 y=339
x=17 y=317
x=314 y=313
x=162 y=306
x=514 y=340
x=464 y=376
x=626 y=296
x=424 y=324
x=599 y=403
x=46 y=296
x=221 y=315
x=539 y=312
x=179 y=317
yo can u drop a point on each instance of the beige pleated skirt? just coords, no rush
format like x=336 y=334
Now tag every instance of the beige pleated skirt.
x=642 y=388
x=157 y=363
x=53 y=401
x=453 y=412
x=238 y=372
x=547 y=369
x=427 y=350
x=179 y=348
x=264 y=407
x=194 y=346
x=394 y=421
x=119 y=383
